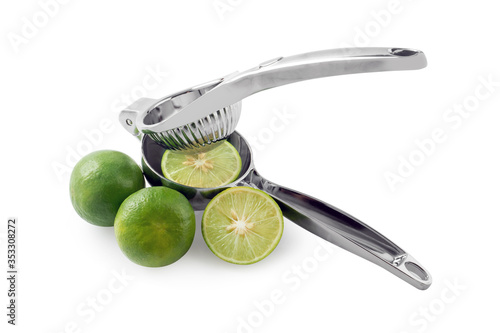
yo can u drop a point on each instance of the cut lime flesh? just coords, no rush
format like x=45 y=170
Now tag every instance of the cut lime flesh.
x=242 y=225
x=217 y=167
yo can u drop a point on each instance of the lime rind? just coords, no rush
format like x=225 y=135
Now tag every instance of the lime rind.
x=100 y=182
x=155 y=226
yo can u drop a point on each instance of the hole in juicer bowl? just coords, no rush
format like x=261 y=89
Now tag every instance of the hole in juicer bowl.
x=416 y=270
x=403 y=52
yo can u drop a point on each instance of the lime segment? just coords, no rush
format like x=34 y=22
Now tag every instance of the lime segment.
x=216 y=167
x=242 y=225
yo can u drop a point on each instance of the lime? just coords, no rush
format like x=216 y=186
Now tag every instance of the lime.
x=242 y=225
x=216 y=167
x=100 y=182
x=155 y=226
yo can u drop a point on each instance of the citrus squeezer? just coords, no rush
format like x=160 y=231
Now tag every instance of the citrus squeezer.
x=201 y=117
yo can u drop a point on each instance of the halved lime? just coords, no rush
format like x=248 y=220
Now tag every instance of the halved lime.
x=242 y=225
x=212 y=168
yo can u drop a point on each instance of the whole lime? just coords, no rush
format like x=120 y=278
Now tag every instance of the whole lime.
x=100 y=182
x=155 y=226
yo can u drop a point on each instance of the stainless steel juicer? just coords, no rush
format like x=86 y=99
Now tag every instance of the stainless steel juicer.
x=199 y=118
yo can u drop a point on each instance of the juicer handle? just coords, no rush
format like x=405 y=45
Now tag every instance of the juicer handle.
x=285 y=70
x=343 y=230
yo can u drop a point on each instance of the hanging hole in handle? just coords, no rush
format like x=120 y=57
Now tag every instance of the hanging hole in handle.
x=417 y=270
x=129 y=122
x=403 y=52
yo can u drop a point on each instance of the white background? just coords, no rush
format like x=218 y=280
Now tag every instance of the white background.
x=342 y=136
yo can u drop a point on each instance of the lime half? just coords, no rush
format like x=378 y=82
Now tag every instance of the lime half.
x=242 y=225
x=213 y=168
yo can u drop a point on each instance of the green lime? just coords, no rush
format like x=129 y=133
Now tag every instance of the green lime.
x=213 y=168
x=242 y=225
x=155 y=226
x=100 y=182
